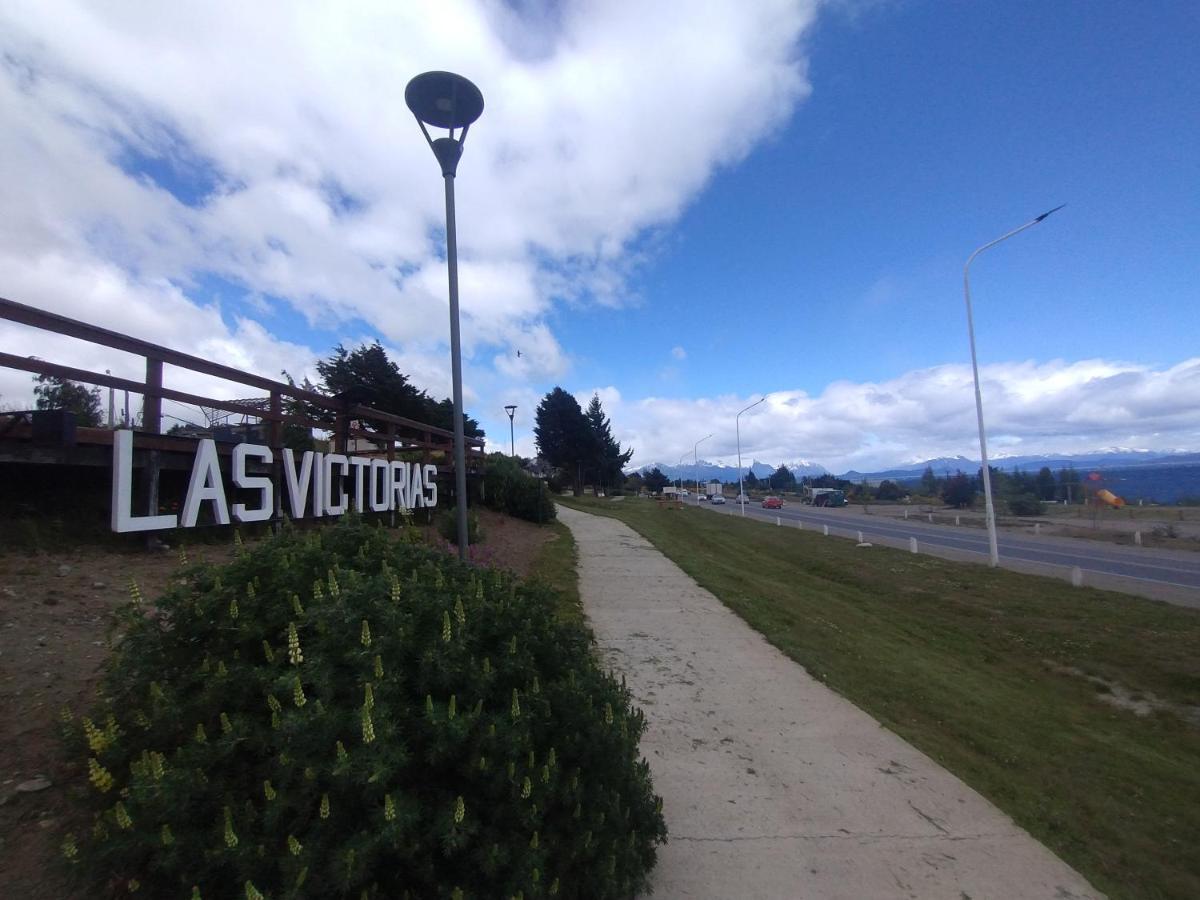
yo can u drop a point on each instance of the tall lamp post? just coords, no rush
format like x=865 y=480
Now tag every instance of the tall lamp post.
x=696 y=464
x=446 y=100
x=679 y=470
x=989 y=509
x=738 y=427
x=511 y=409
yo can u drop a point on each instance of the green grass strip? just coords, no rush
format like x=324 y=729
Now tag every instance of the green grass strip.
x=1003 y=678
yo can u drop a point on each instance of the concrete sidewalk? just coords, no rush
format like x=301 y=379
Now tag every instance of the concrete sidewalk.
x=774 y=786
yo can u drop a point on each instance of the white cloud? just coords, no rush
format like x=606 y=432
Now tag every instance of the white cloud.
x=284 y=160
x=678 y=353
x=1051 y=407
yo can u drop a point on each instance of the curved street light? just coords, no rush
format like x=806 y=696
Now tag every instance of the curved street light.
x=446 y=100
x=989 y=509
x=738 y=426
x=696 y=464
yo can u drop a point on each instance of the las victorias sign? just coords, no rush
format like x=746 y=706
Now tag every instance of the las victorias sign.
x=318 y=486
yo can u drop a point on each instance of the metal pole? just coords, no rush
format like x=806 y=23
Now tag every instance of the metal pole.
x=696 y=464
x=737 y=424
x=460 y=456
x=989 y=509
x=112 y=414
x=512 y=440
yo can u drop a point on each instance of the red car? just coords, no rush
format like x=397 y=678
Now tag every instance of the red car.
x=772 y=503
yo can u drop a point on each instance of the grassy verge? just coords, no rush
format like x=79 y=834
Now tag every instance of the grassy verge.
x=555 y=566
x=1001 y=677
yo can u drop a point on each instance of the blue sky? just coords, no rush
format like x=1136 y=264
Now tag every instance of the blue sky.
x=681 y=206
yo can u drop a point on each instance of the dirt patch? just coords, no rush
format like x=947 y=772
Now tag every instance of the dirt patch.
x=56 y=614
x=1140 y=703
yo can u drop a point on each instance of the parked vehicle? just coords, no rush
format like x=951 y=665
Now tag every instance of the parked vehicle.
x=772 y=503
x=826 y=497
x=741 y=498
x=718 y=500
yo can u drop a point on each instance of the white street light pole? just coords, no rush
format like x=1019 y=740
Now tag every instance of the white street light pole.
x=696 y=464
x=679 y=471
x=738 y=426
x=989 y=509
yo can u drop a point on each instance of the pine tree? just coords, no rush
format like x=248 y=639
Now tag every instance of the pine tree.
x=58 y=393
x=610 y=459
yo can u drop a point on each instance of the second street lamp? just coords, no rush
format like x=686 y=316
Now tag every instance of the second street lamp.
x=738 y=427
x=696 y=464
x=989 y=509
x=446 y=100
x=511 y=409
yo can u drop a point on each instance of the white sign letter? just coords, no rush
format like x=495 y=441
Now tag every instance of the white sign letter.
x=379 y=493
x=258 y=483
x=205 y=484
x=431 y=485
x=399 y=484
x=297 y=487
x=360 y=463
x=123 y=518
x=331 y=460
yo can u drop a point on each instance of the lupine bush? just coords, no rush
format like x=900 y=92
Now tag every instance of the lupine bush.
x=338 y=714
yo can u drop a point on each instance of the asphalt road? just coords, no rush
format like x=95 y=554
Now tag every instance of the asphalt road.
x=1178 y=569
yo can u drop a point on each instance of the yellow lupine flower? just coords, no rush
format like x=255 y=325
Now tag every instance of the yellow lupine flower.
x=378 y=666
x=135 y=592
x=452 y=710
x=69 y=848
x=460 y=810
x=196 y=892
x=183 y=557
x=99 y=776
x=526 y=788
x=552 y=759
x=252 y=892
x=134 y=885
x=533 y=841
x=65 y=715
x=460 y=612
x=608 y=714
x=226 y=725
x=294 y=845
x=389 y=808
x=446 y=634
x=512 y=645
x=298 y=693
x=156 y=765
x=318 y=591
x=167 y=838
x=233 y=607
x=273 y=703
x=365 y=636
x=516 y=705
x=429 y=704
x=268 y=652
x=554 y=888
x=295 y=655
x=122 y=814
x=268 y=791
x=368 y=727
x=545 y=774
x=324 y=811
x=221 y=670
x=296 y=607
x=342 y=755
x=201 y=734
x=237 y=538
x=97 y=740
x=335 y=590
x=368 y=696
x=395 y=589
x=487 y=666
x=231 y=839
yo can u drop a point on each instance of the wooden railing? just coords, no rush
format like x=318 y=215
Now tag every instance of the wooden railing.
x=391 y=433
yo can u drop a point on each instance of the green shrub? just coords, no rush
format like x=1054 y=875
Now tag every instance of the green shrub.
x=447 y=526
x=510 y=489
x=337 y=714
x=1025 y=505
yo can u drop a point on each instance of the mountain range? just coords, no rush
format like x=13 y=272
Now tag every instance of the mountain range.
x=1113 y=458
